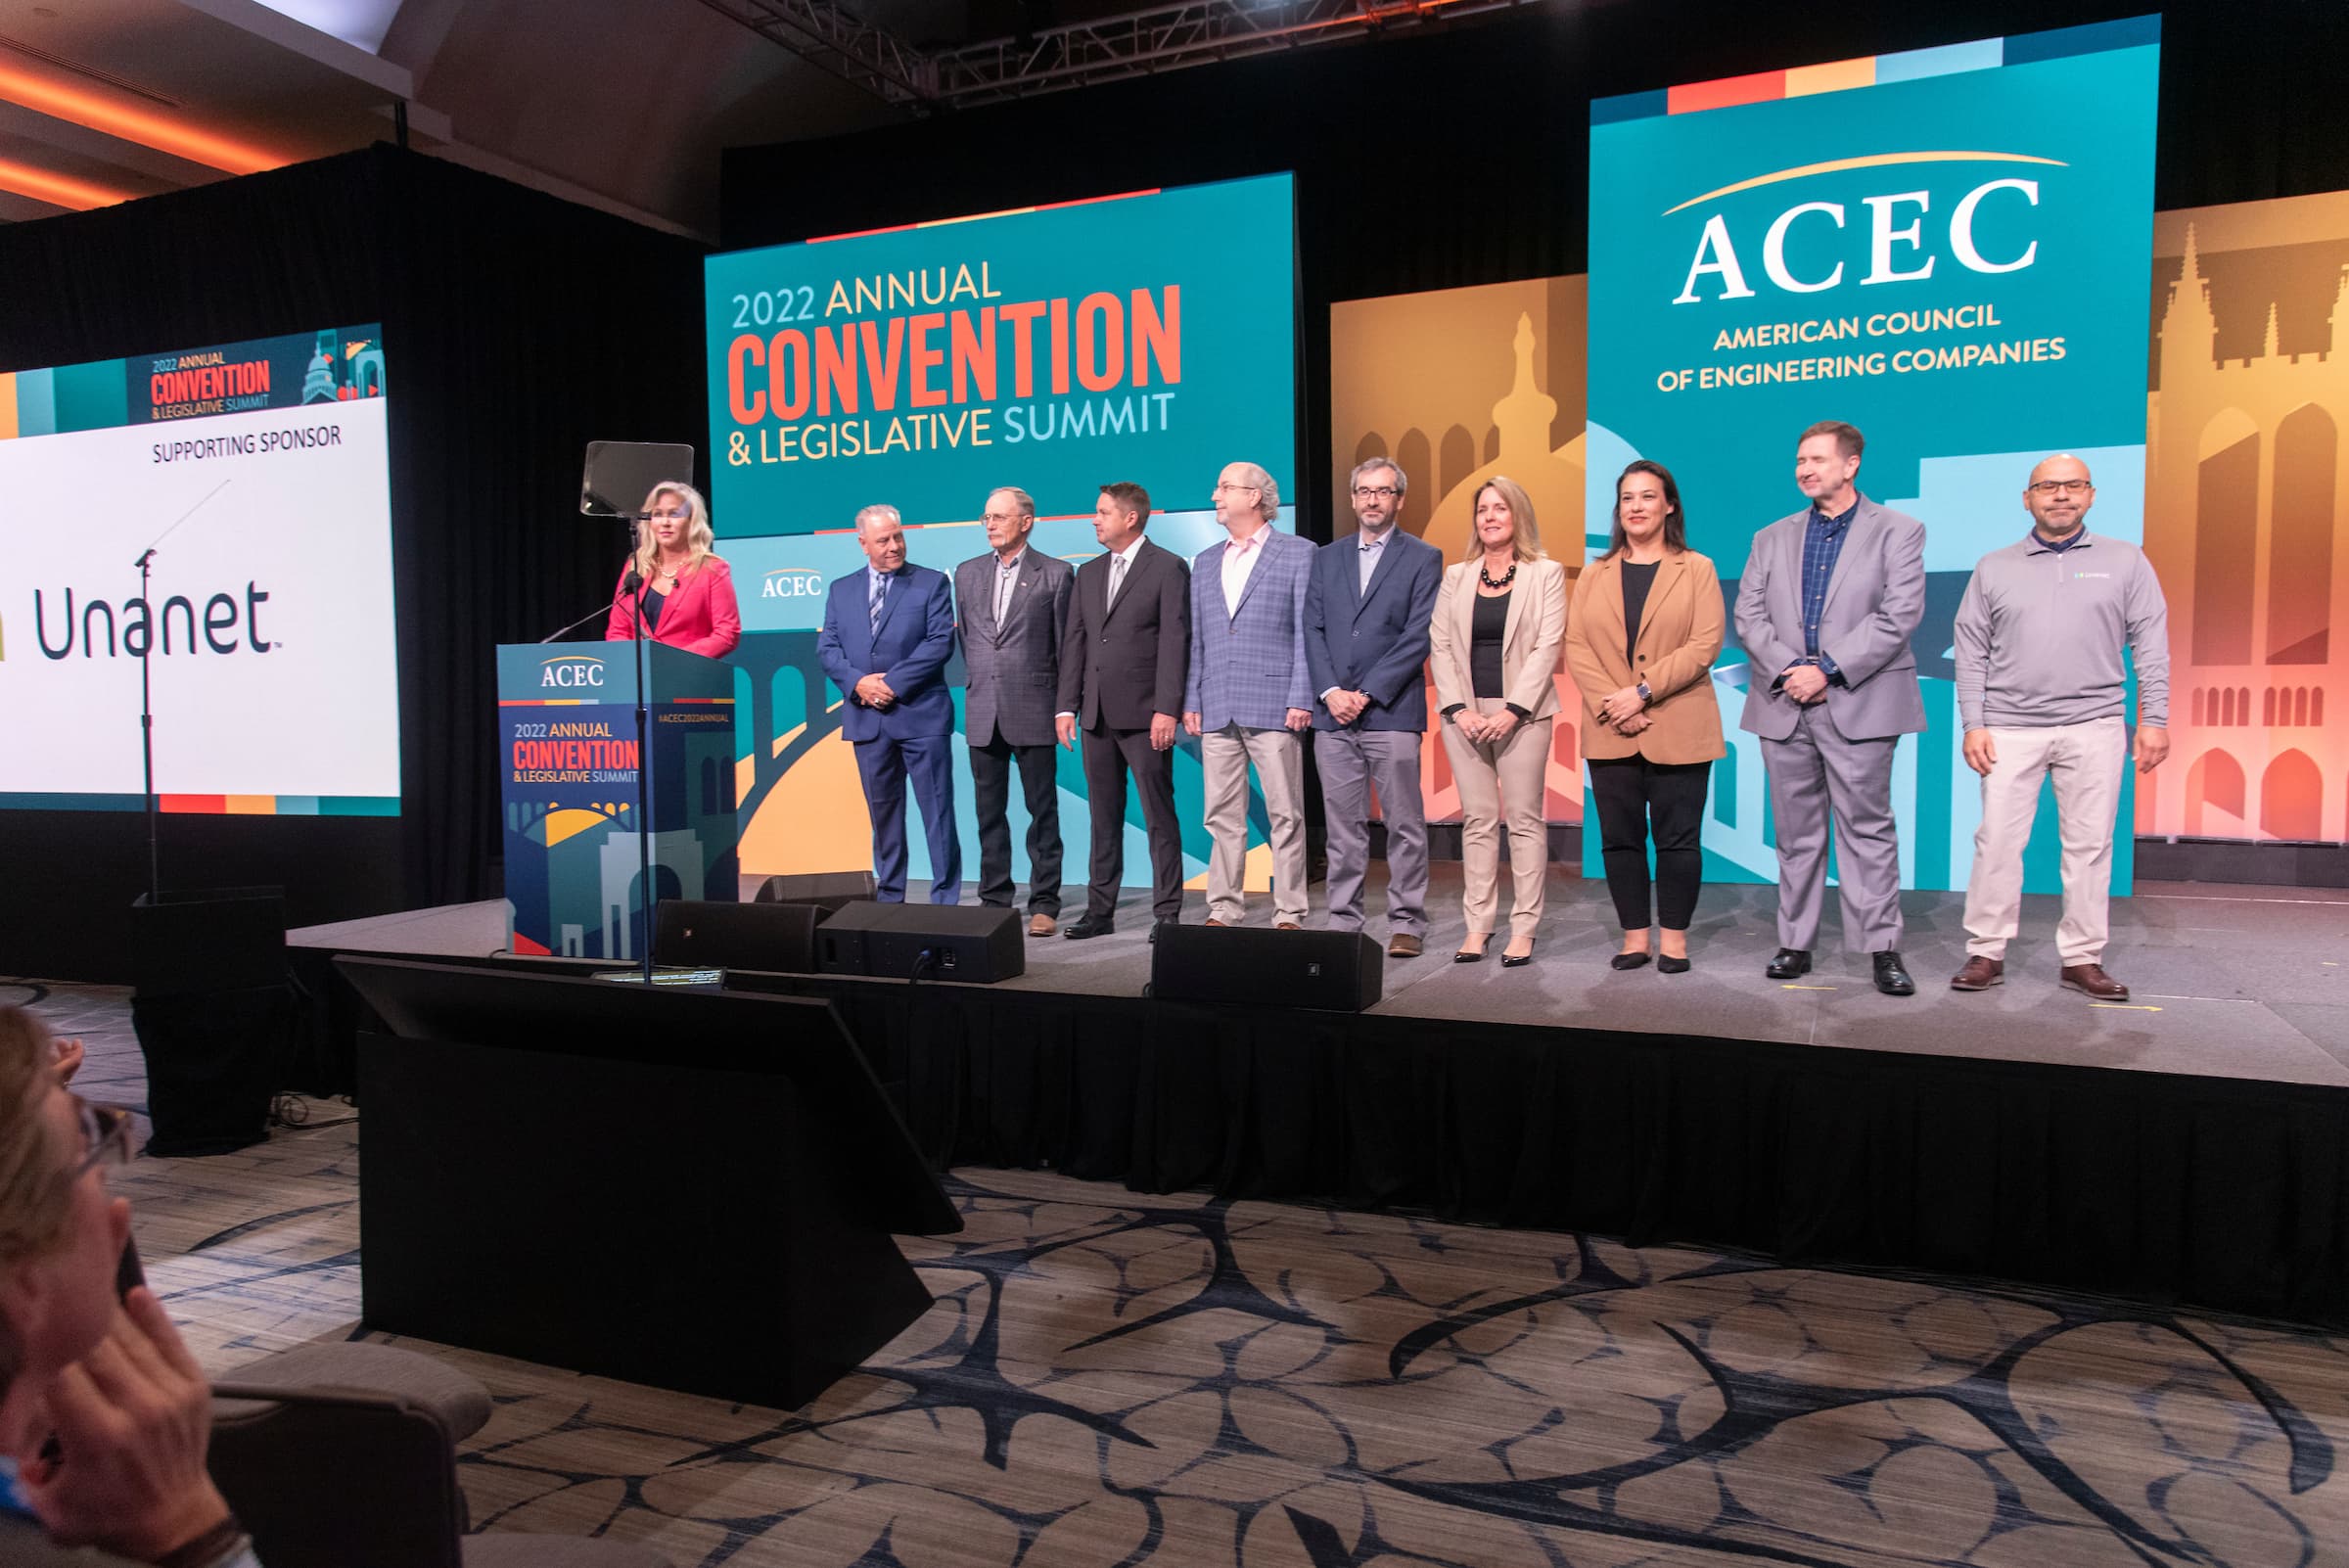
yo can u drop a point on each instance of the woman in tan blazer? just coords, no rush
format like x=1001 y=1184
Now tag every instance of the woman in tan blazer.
x=1646 y=623
x=1501 y=619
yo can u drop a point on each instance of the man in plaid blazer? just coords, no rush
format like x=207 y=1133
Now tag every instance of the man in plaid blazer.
x=1250 y=698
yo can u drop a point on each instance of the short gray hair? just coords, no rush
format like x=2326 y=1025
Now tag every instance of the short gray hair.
x=1027 y=502
x=1402 y=480
x=1268 y=488
x=878 y=512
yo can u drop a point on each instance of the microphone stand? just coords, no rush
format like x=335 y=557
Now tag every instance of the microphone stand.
x=638 y=587
x=155 y=627
x=155 y=871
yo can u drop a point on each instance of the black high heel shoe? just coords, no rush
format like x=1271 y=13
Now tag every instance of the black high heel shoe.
x=1518 y=963
x=1465 y=956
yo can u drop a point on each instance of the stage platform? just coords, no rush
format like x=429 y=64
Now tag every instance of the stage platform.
x=2190 y=1146
x=2226 y=982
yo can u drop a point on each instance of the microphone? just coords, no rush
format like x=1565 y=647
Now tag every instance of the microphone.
x=599 y=609
x=627 y=590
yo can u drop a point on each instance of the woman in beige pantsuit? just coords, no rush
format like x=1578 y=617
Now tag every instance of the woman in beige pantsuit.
x=1499 y=624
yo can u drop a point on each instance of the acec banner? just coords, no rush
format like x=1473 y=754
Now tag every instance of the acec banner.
x=1948 y=248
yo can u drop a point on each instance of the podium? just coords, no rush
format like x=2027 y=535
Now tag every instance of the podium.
x=566 y=750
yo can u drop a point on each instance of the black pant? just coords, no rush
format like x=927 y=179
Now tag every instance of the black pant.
x=1109 y=754
x=1630 y=793
x=990 y=787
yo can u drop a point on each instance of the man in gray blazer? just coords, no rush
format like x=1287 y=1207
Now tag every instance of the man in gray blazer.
x=1828 y=602
x=1011 y=606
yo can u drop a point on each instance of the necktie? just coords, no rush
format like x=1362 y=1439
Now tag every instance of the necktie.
x=880 y=593
x=1005 y=579
x=1117 y=580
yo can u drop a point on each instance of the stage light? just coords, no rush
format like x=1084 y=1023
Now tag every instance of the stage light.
x=58 y=190
x=99 y=113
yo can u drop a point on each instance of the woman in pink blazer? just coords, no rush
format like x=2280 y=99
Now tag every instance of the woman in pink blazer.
x=689 y=598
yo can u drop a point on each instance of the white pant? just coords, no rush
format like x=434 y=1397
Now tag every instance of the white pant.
x=1279 y=757
x=2085 y=762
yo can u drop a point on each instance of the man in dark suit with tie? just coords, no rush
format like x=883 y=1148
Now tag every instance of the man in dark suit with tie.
x=1123 y=662
x=1367 y=609
x=1825 y=608
x=1014 y=603
x=888 y=634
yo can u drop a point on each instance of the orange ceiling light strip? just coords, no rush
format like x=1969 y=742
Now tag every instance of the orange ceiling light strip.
x=58 y=190
x=100 y=112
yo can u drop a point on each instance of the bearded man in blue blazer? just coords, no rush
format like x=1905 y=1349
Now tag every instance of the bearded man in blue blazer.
x=1367 y=612
x=888 y=634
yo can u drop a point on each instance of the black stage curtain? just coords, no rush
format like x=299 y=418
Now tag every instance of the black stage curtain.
x=2214 y=1192
x=1438 y=161
x=517 y=328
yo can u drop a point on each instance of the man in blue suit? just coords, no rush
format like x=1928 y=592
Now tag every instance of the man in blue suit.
x=1366 y=616
x=1249 y=698
x=888 y=634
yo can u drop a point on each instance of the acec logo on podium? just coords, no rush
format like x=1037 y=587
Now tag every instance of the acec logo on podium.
x=572 y=674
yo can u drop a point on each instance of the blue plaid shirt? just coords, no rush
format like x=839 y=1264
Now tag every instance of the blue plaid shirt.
x=1822 y=544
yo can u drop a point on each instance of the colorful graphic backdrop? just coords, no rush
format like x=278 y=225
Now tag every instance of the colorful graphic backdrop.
x=1945 y=247
x=1149 y=337
x=1137 y=336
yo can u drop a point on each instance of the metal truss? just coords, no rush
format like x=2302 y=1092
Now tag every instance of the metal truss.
x=1073 y=54
x=835 y=38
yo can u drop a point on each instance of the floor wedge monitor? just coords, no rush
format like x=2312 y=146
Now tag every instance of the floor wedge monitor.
x=1337 y=971
x=777 y=937
x=971 y=943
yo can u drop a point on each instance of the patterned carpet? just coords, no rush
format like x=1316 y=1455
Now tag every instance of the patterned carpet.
x=1112 y=1380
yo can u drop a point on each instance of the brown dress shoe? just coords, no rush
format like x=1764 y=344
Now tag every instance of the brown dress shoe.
x=2092 y=980
x=1041 y=925
x=1403 y=946
x=1287 y=925
x=1979 y=974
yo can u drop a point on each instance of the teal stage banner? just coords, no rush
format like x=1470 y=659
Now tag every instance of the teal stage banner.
x=1148 y=337
x=1948 y=248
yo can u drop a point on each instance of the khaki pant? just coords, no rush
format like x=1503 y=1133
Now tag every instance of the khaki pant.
x=1279 y=757
x=1496 y=782
x=2085 y=762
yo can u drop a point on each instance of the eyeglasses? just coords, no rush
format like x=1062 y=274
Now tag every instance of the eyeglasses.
x=670 y=517
x=107 y=1130
x=1375 y=492
x=2059 y=487
x=1221 y=487
x=1001 y=517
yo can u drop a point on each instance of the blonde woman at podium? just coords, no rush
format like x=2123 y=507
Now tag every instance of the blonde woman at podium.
x=688 y=592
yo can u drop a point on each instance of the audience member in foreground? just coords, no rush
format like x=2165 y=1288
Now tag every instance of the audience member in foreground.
x=104 y=1415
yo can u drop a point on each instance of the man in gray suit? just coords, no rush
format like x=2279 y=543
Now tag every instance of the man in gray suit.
x=1829 y=600
x=1012 y=604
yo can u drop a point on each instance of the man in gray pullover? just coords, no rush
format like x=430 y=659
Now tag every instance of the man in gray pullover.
x=2042 y=692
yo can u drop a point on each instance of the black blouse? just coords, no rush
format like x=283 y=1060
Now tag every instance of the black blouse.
x=1636 y=581
x=1485 y=634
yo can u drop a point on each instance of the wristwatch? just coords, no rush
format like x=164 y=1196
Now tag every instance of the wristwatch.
x=1647 y=699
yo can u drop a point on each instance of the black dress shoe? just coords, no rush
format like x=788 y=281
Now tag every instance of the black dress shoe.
x=1087 y=926
x=1791 y=963
x=1891 y=978
x=1517 y=961
x=1627 y=960
x=1667 y=964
